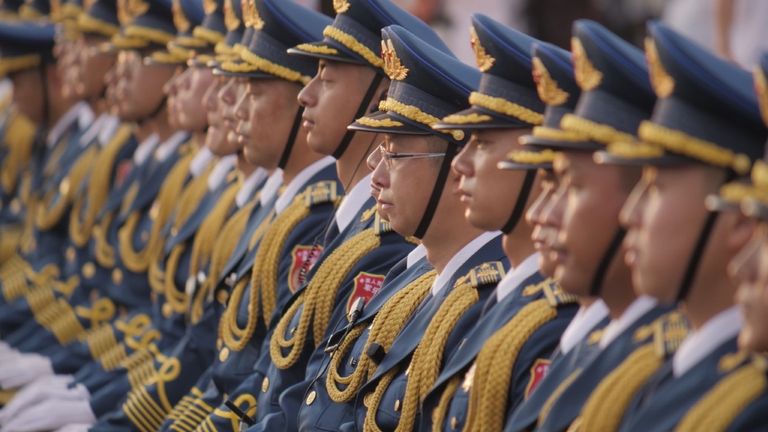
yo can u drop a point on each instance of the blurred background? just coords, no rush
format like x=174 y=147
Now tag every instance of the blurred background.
x=735 y=29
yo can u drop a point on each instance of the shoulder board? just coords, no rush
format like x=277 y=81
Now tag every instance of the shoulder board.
x=381 y=226
x=488 y=273
x=666 y=333
x=595 y=336
x=556 y=296
x=732 y=361
x=368 y=214
x=321 y=192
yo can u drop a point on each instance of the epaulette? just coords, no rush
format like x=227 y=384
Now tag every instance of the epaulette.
x=380 y=225
x=731 y=361
x=321 y=192
x=487 y=273
x=555 y=294
x=666 y=333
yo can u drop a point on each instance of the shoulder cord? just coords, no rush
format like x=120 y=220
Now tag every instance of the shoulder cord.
x=56 y=201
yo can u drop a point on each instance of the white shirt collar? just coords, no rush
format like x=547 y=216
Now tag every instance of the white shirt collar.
x=415 y=255
x=166 y=149
x=200 y=161
x=706 y=339
x=516 y=276
x=93 y=130
x=460 y=258
x=80 y=112
x=353 y=202
x=299 y=181
x=616 y=327
x=582 y=324
x=145 y=149
x=220 y=170
x=108 y=129
x=245 y=193
x=271 y=187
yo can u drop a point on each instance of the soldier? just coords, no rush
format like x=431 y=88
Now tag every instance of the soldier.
x=528 y=314
x=612 y=77
x=710 y=131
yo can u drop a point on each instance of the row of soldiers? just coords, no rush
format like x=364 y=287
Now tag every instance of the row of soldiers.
x=244 y=215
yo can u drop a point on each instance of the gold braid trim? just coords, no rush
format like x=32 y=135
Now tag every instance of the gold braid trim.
x=554 y=134
x=86 y=208
x=317 y=301
x=416 y=114
x=472 y=118
x=50 y=210
x=717 y=409
x=19 y=138
x=531 y=157
x=506 y=107
x=263 y=282
x=317 y=49
x=178 y=211
x=634 y=150
x=440 y=411
x=387 y=123
x=387 y=324
x=103 y=250
x=100 y=312
x=223 y=245
x=597 y=132
x=495 y=363
x=89 y=24
x=275 y=69
x=610 y=399
x=153 y=35
x=353 y=44
x=19 y=63
x=208 y=35
x=547 y=407
x=687 y=145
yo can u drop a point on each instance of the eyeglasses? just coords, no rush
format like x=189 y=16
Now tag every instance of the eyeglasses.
x=381 y=153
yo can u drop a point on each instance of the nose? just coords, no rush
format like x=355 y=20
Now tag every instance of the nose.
x=241 y=108
x=308 y=95
x=534 y=214
x=462 y=164
x=374 y=158
x=380 y=176
x=630 y=214
x=553 y=211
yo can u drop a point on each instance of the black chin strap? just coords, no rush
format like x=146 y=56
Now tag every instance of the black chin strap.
x=46 y=96
x=602 y=268
x=437 y=191
x=698 y=251
x=291 y=139
x=522 y=200
x=361 y=110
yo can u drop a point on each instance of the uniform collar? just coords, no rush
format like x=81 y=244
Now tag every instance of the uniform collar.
x=352 y=203
x=582 y=324
x=219 y=172
x=460 y=258
x=245 y=193
x=702 y=342
x=516 y=276
x=271 y=187
x=145 y=149
x=166 y=149
x=93 y=130
x=80 y=112
x=634 y=312
x=200 y=161
x=415 y=255
x=299 y=181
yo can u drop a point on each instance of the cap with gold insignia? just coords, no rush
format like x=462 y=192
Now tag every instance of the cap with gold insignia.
x=355 y=34
x=752 y=196
x=707 y=110
x=145 y=24
x=99 y=18
x=233 y=22
x=506 y=97
x=556 y=87
x=187 y=14
x=277 y=25
x=25 y=45
x=427 y=84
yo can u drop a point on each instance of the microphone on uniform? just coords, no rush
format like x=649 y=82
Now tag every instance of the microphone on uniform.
x=244 y=418
x=354 y=313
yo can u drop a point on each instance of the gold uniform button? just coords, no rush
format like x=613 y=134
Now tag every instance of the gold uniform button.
x=167 y=310
x=64 y=186
x=89 y=270
x=454 y=423
x=15 y=206
x=70 y=254
x=311 y=397
x=117 y=276
x=265 y=385
x=224 y=354
x=222 y=296
x=397 y=405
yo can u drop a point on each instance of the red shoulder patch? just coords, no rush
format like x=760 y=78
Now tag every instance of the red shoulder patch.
x=538 y=372
x=303 y=258
x=366 y=286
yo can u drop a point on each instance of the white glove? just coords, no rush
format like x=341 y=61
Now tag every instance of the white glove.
x=49 y=387
x=79 y=427
x=51 y=415
x=9 y=356
x=24 y=370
